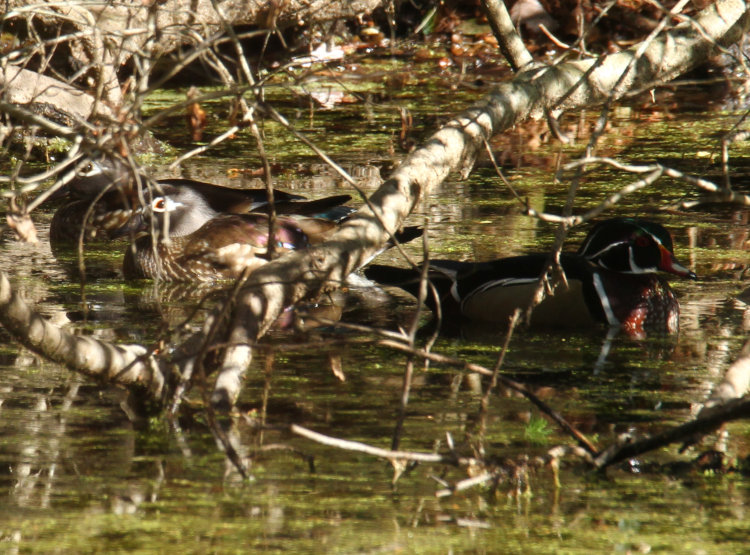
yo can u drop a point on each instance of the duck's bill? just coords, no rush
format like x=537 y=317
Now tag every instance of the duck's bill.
x=669 y=264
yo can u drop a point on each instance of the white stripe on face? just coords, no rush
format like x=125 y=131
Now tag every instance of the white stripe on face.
x=605 y=249
x=635 y=268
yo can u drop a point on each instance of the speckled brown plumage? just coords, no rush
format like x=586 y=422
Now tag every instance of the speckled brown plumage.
x=221 y=249
x=103 y=223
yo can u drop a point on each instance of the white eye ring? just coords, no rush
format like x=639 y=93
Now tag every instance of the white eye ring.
x=91 y=169
x=164 y=204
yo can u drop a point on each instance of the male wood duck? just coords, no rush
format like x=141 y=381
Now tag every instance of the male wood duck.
x=204 y=245
x=612 y=279
x=121 y=196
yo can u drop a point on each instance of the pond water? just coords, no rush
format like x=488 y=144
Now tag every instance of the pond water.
x=78 y=476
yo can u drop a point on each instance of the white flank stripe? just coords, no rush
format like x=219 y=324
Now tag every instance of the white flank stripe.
x=454 y=293
x=599 y=286
x=605 y=249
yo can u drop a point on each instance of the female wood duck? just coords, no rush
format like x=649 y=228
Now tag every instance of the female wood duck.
x=222 y=248
x=98 y=202
x=612 y=279
x=101 y=221
x=121 y=197
x=204 y=245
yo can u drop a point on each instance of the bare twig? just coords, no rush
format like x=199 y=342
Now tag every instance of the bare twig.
x=468 y=483
x=425 y=288
x=485 y=401
x=507 y=382
x=378 y=451
x=508 y=39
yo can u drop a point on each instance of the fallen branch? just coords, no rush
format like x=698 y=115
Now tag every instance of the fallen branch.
x=304 y=274
x=127 y=365
x=732 y=410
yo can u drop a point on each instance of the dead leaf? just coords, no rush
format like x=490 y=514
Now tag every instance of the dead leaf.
x=337 y=366
x=23 y=227
x=196 y=116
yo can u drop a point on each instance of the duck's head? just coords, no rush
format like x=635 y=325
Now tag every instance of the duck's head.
x=97 y=175
x=632 y=246
x=185 y=209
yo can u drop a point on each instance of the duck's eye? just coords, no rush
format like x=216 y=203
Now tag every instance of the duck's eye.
x=642 y=241
x=90 y=169
x=165 y=204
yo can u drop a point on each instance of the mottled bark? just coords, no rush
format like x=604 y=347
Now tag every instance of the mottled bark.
x=127 y=365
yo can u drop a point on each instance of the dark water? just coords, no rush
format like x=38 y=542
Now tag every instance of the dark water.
x=77 y=476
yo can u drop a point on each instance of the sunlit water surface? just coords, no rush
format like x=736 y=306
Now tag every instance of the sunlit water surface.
x=78 y=476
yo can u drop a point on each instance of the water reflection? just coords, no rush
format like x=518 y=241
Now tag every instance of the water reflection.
x=68 y=448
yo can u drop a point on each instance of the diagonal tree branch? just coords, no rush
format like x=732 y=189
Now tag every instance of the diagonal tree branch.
x=706 y=423
x=508 y=39
x=128 y=365
x=566 y=86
